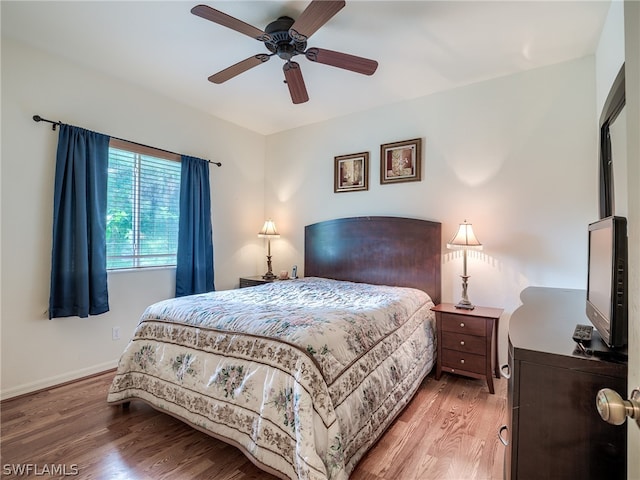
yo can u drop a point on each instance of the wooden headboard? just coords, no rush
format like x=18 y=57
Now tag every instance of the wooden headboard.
x=395 y=251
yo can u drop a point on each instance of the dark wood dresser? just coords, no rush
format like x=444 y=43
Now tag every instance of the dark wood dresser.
x=553 y=429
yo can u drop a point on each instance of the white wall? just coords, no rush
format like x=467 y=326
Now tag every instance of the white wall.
x=515 y=156
x=37 y=352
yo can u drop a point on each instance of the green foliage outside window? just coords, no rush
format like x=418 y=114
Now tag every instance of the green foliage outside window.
x=143 y=197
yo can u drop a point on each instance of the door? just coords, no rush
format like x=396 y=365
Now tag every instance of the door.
x=632 y=54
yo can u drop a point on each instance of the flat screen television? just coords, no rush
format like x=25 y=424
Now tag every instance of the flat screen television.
x=607 y=306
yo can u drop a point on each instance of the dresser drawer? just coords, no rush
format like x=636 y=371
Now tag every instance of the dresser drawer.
x=453 y=360
x=465 y=325
x=464 y=343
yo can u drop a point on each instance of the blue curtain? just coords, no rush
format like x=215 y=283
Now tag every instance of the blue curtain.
x=194 y=271
x=78 y=258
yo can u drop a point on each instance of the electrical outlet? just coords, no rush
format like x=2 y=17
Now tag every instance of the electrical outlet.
x=115 y=333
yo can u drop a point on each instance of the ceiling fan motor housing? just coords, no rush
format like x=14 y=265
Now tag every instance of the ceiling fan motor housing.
x=281 y=42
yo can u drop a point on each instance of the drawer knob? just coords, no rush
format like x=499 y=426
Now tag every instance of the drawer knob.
x=461 y=342
x=462 y=325
x=462 y=361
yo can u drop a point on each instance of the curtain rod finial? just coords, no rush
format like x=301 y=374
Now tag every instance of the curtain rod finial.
x=38 y=118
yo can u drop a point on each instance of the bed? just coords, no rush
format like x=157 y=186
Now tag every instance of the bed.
x=302 y=375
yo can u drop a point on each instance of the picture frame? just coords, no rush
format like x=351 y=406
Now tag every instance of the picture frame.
x=351 y=172
x=401 y=161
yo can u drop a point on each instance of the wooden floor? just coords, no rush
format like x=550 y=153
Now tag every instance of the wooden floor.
x=448 y=431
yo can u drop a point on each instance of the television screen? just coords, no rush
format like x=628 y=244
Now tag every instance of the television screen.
x=600 y=254
x=607 y=279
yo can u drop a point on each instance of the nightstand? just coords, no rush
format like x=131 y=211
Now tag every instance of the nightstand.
x=467 y=341
x=253 y=281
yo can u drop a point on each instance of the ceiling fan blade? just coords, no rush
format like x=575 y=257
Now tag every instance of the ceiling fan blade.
x=342 y=60
x=228 y=21
x=295 y=82
x=240 y=67
x=317 y=13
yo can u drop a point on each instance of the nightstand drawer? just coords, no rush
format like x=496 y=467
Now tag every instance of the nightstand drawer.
x=465 y=325
x=452 y=359
x=464 y=343
x=253 y=281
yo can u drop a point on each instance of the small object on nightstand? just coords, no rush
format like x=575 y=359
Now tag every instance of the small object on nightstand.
x=467 y=341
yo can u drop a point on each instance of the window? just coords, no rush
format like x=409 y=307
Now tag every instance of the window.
x=143 y=201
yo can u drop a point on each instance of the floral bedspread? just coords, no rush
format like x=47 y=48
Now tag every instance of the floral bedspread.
x=303 y=375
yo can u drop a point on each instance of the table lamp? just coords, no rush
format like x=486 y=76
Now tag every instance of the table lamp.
x=269 y=231
x=464 y=240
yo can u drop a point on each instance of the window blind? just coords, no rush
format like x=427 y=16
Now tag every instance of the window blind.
x=143 y=200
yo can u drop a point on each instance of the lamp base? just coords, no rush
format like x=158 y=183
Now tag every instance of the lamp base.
x=269 y=275
x=465 y=306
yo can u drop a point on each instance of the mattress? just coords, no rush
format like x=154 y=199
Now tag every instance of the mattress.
x=303 y=375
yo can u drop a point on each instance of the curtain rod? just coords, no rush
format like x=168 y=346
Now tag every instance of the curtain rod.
x=38 y=118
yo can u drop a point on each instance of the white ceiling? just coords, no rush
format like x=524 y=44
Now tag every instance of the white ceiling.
x=421 y=46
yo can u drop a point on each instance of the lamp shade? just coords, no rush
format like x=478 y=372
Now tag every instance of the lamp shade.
x=268 y=230
x=465 y=238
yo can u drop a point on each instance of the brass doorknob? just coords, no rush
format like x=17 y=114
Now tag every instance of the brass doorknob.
x=614 y=409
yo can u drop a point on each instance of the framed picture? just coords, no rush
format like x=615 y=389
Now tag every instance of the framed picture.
x=351 y=172
x=401 y=161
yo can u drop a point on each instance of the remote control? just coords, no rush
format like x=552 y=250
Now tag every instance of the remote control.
x=582 y=333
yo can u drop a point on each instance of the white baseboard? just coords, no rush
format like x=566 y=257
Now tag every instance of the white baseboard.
x=56 y=380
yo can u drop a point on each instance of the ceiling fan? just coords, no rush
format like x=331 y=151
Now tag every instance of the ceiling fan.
x=286 y=38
